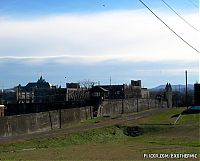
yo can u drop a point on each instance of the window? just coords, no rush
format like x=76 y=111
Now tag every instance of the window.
x=96 y=94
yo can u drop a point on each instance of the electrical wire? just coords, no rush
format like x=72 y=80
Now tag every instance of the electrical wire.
x=169 y=27
x=193 y=4
x=179 y=15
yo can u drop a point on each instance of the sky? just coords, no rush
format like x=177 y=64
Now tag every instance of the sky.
x=77 y=40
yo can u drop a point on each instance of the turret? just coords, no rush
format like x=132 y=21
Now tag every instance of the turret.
x=168 y=95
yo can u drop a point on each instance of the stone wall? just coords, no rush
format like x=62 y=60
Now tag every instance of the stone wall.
x=44 y=121
x=110 y=107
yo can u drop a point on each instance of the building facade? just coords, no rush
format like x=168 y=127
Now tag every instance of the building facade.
x=42 y=92
x=75 y=93
x=135 y=90
x=2 y=109
x=33 y=92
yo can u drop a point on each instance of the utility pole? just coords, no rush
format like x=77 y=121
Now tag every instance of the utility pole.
x=110 y=88
x=66 y=90
x=110 y=80
x=60 y=118
x=186 y=89
x=199 y=68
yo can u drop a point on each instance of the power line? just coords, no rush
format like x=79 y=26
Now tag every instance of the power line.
x=179 y=15
x=169 y=27
x=193 y=4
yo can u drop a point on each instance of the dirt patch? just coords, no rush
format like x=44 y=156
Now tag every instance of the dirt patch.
x=133 y=131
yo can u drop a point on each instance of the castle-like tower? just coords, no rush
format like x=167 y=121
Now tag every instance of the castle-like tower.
x=168 y=95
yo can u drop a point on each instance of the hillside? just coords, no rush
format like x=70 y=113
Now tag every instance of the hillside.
x=178 y=87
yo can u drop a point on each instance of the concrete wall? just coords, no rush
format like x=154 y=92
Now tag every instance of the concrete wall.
x=38 y=122
x=45 y=121
x=110 y=107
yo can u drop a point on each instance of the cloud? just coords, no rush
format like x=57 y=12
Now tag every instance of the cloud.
x=14 y=72
x=97 y=37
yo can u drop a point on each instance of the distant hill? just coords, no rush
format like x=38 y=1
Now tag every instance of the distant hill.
x=178 y=87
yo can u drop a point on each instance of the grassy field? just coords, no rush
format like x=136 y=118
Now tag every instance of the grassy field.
x=159 y=135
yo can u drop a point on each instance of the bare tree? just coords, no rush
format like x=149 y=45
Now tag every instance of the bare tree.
x=87 y=84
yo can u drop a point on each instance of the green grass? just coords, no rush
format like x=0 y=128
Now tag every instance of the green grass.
x=92 y=121
x=101 y=135
x=111 y=143
x=160 y=129
x=165 y=117
x=189 y=119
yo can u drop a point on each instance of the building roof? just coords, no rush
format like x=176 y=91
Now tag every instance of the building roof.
x=168 y=87
x=41 y=83
x=98 y=89
x=108 y=87
x=73 y=85
x=103 y=89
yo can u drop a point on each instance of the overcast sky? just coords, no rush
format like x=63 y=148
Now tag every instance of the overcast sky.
x=96 y=39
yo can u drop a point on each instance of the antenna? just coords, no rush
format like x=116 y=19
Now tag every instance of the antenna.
x=2 y=88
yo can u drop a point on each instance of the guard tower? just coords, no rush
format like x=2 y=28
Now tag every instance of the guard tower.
x=168 y=95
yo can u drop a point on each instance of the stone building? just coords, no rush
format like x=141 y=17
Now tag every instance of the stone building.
x=136 y=83
x=42 y=92
x=98 y=93
x=135 y=90
x=145 y=93
x=75 y=93
x=114 y=91
x=33 y=92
